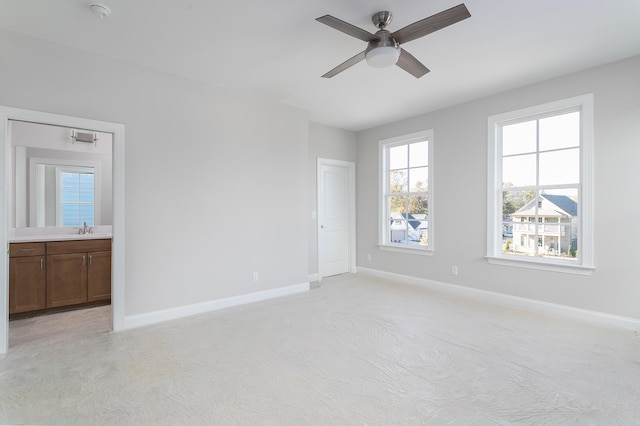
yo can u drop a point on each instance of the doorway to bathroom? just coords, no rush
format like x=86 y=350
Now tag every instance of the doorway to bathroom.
x=92 y=155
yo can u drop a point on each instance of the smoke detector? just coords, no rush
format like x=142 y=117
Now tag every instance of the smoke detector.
x=100 y=10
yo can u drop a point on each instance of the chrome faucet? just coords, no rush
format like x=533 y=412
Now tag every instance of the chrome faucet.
x=85 y=229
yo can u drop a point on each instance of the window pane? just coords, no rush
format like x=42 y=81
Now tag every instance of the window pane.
x=519 y=170
x=398 y=231
x=558 y=231
x=86 y=195
x=70 y=179
x=86 y=180
x=560 y=131
x=70 y=214
x=515 y=229
x=398 y=157
x=86 y=214
x=514 y=201
x=418 y=179
x=397 y=205
x=398 y=181
x=70 y=195
x=519 y=138
x=417 y=220
x=418 y=205
x=424 y=234
x=560 y=167
x=418 y=154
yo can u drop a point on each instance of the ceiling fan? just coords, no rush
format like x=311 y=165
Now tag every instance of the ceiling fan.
x=384 y=47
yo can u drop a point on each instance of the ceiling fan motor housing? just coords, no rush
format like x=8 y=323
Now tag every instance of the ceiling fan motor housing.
x=382 y=19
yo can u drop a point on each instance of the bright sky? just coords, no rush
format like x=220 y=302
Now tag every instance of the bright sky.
x=559 y=140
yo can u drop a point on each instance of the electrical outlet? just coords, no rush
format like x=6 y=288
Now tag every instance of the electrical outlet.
x=368 y=257
x=454 y=270
x=256 y=276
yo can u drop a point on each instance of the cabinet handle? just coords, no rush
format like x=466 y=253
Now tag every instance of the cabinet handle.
x=29 y=249
x=41 y=264
x=90 y=260
x=83 y=261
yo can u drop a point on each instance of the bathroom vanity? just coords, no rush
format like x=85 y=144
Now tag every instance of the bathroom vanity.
x=58 y=273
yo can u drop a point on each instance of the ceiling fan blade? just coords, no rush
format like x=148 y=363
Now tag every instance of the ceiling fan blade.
x=432 y=23
x=346 y=64
x=410 y=64
x=346 y=28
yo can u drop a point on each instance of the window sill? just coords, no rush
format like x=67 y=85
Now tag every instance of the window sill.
x=408 y=249
x=541 y=265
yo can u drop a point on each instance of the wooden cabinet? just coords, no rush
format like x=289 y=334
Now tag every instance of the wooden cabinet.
x=27 y=279
x=66 y=279
x=45 y=276
x=78 y=271
x=99 y=276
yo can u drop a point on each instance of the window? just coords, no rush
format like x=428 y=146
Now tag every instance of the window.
x=75 y=189
x=540 y=168
x=406 y=179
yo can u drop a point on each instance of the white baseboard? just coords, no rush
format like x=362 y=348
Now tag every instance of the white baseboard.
x=521 y=302
x=154 y=317
x=313 y=277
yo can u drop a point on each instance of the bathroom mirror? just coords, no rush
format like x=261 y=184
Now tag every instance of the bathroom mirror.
x=61 y=176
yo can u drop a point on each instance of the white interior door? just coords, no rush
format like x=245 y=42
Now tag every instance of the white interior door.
x=336 y=205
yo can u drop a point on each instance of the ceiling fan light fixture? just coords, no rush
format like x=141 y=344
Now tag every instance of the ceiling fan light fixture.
x=382 y=56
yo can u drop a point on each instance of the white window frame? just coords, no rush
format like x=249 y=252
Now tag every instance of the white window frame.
x=383 y=219
x=584 y=264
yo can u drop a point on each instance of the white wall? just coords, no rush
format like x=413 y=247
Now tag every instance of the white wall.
x=461 y=195
x=212 y=177
x=324 y=142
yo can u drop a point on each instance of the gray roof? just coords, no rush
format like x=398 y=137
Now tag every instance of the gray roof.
x=409 y=217
x=562 y=202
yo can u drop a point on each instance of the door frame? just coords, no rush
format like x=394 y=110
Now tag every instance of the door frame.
x=118 y=234
x=351 y=194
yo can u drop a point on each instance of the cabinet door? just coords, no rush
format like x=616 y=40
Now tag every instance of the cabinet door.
x=27 y=284
x=99 y=276
x=66 y=279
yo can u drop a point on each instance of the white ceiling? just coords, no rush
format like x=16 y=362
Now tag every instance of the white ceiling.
x=276 y=49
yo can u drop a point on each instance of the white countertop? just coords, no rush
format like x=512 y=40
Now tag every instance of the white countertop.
x=24 y=235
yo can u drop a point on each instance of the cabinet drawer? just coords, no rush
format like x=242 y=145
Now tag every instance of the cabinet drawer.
x=26 y=249
x=78 y=246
